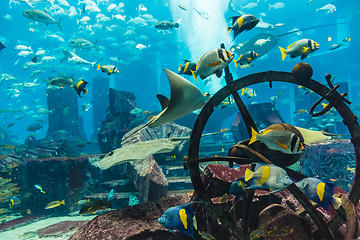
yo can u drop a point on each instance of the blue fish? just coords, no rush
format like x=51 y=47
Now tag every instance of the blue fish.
x=237 y=187
x=320 y=192
x=269 y=177
x=110 y=195
x=179 y=218
x=39 y=188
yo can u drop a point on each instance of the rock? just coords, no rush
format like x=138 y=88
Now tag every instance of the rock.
x=278 y=222
x=146 y=174
x=302 y=71
x=60 y=229
x=130 y=223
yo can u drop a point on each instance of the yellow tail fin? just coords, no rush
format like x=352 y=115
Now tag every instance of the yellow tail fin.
x=283 y=53
x=85 y=91
x=193 y=73
x=253 y=136
x=336 y=202
x=62 y=202
x=98 y=68
x=236 y=63
x=248 y=174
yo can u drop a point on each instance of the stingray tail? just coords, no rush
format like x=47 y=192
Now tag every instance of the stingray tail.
x=283 y=53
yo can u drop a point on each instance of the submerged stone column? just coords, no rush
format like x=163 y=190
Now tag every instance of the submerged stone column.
x=64 y=121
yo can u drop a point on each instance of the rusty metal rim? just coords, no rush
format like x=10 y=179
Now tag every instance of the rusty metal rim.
x=334 y=98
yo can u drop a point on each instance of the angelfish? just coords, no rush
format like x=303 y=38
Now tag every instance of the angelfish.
x=284 y=141
x=214 y=61
x=242 y=23
x=269 y=177
x=301 y=48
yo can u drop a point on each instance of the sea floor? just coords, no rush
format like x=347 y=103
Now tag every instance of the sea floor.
x=28 y=231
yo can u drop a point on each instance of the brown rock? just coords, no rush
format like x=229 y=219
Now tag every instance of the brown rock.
x=136 y=222
x=60 y=229
x=303 y=71
x=278 y=222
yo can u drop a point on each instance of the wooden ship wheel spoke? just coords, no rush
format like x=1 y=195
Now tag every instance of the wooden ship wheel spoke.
x=299 y=76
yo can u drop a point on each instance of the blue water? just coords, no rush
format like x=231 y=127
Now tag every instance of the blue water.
x=143 y=74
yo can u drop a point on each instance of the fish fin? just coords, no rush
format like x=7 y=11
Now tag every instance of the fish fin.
x=248 y=174
x=58 y=23
x=193 y=73
x=236 y=63
x=95 y=46
x=218 y=73
x=290 y=46
x=243 y=91
x=283 y=53
x=249 y=59
x=229 y=29
x=179 y=68
x=320 y=190
x=336 y=202
x=62 y=202
x=98 y=67
x=85 y=91
x=164 y=101
x=254 y=135
x=214 y=64
x=304 y=56
x=283 y=146
x=306 y=49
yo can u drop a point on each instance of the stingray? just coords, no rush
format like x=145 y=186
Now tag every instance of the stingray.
x=311 y=136
x=243 y=48
x=185 y=98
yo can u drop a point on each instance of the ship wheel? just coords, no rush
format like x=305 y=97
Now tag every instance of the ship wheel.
x=345 y=214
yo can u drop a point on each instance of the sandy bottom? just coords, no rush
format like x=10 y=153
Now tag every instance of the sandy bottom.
x=16 y=233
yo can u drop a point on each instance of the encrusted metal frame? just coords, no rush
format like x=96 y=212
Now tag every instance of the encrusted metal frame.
x=335 y=100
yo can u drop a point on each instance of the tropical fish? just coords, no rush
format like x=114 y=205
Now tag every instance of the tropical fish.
x=246 y=58
x=136 y=111
x=133 y=200
x=214 y=61
x=14 y=201
x=39 y=188
x=40 y=16
x=320 y=192
x=276 y=5
x=61 y=82
x=33 y=127
x=269 y=177
x=248 y=92
x=346 y=39
x=187 y=67
x=336 y=46
x=81 y=202
x=110 y=195
x=298 y=111
x=165 y=25
x=80 y=87
x=83 y=43
x=242 y=23
x=202 y=14
x=262 y=41
x=179 y=218
x=182 y=7
x=2 y=46
x=86 y=107
x=280 y=140
x=55 y=204
x=93 y=206
x=109 y=69
x=301 y=48
x=237 y=187
x=330 y=8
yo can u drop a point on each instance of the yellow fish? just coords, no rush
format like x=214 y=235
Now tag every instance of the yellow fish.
x=55 y=204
